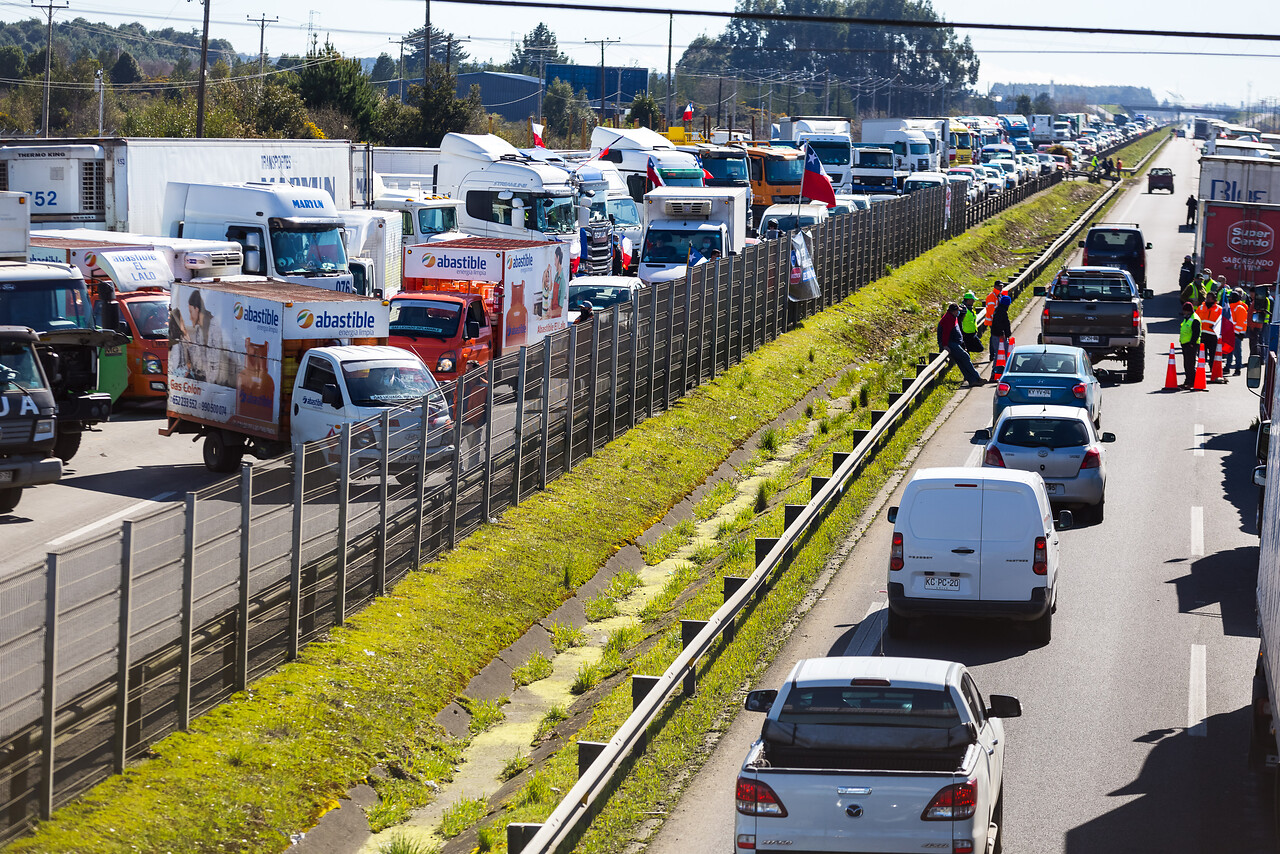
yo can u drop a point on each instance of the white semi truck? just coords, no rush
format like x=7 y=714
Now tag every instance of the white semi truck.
x=831 y=138
x=680 y=221
x=911 y=148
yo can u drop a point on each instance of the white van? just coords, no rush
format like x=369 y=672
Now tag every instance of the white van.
x=972 y=542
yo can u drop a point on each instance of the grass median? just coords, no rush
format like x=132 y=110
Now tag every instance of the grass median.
x=268 y=762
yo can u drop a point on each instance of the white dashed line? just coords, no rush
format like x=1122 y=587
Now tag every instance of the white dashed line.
x=1197 y=707
x=1198 y=441
x=1197 y=531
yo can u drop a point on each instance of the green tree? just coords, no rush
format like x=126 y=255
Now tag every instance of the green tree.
x=439 y=50
x=13 y=63
x=398 y=124
x=1022 y=105
x=537 y=47
x=1044 y=105
x=330 y=81
x=645 y=110
x=442 y=110
x=384 y=69
x=126 y=70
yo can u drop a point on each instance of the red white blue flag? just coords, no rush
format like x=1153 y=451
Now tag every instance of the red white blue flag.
x=655 y=179
x=688 y=112
x=815 y=184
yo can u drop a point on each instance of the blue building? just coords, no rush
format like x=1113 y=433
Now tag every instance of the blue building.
x=621 y=85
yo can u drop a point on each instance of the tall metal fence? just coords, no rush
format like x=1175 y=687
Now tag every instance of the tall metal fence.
x=112 y=643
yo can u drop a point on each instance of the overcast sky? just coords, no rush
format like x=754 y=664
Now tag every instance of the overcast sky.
x=1188 y=70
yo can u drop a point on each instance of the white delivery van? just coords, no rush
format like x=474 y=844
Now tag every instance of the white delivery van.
x=971 y=542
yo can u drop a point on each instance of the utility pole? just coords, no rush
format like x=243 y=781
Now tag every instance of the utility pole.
x=602 y=43
x=262 y=47
x=49 y=8
x=719 y=99
x=426 y=46
x=450 y=41
x=671 y=23
x=102 y=91
x=400 y=68
x=204 y=71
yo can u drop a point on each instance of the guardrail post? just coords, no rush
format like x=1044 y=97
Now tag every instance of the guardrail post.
x=519 y=429
x=613 y=379
x=858 y=436
x=295 y=558
x=816 y=484
x=520 y=834
x=838 y=457
x=487 y=488
x=764 y=545
x=907 y=383
x=731 y=584
x=188 y=607
x=640 y=687
x=568 y=401
x=50 y=699
x=689 y=630
x=790 y=513
x=588 y=752
x=544 y=451
x=241 y=678
x=124 y=623
x=894 y=397
x=420 y=488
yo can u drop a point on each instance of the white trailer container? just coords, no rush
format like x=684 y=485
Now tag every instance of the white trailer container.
x=375 y=251
x=831 y=138
x=133 y=261
x=1042 y=129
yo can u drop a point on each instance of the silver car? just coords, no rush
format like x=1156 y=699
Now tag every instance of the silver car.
x=1060 y=444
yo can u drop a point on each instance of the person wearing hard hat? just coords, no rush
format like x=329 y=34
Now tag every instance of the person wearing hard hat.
x=969 y=323
x=1189 y=338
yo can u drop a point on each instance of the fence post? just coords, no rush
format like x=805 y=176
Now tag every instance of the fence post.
x=653 y=341
x=671 y=343
x=487 y=489
x=688 y=330
x=544 y=451
x=635 y=351
x=568 y=398
x=122 y=645
x=702 y=319
x=295 y=558
x=519 y=430
x=420 y=488
x=456 y=488
x=50 y=704
x=715 y=316
x=613 y=379
x=344 y=508
x=384 y=491
x=246 y=561
x=593 y=380
x=188 y=606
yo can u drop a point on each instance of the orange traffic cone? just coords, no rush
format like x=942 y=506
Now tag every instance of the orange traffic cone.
x=1200 y=368
x=1171 y=373
x=1001 y=356
x=1215 y=375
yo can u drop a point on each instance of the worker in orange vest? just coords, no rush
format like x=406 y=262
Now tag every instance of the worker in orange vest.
x=993 y=300
x=1240 y=321
x=1210 y=315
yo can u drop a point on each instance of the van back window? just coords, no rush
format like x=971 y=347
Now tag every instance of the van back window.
x=1113 y=241
x=945 y=512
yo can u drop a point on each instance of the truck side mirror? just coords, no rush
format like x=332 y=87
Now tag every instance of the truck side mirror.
x=1038 y=291
x=252 y=261
x=473 y=329
x=1253 y=375
x=1148 y=293
x=1004 y=706
x=331 y=396
x=1260 y=476
x=1108 y=437
x=1080 y=244
x=892 y=515
x=1148 y=245
x=760 y=701
x=110 y=308
x=983 y=435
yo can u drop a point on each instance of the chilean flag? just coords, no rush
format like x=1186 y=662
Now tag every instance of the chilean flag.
x=688 y=112
x=656 y=180
x=537 y=135
x=815 y=184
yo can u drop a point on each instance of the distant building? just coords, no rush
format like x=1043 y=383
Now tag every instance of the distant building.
x=512 y=96
x=621 y=85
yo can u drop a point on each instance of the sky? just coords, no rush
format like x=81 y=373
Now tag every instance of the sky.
x=1178 y=68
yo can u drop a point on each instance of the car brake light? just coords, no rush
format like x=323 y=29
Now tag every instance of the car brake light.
x=756 y=798
x=1040 y=557
x=747 y=841
x=993 y=457
x=1135 y=318
x=1092 y=459
x=1002 y=389
x=895 y=552
x=962 y=846
x=1078 y=390
x=959 y=800
x=1044 y=319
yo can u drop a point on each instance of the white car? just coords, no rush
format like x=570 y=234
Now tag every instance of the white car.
x=993 y=178
x=845 y=204
x=788 y=218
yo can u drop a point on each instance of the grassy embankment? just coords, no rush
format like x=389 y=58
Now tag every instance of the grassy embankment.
x=271 y=760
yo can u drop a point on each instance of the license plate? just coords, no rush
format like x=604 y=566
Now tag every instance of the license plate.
x=6 y=476
x=1054 y=488
x=935 y=582
x=1039 y=392
x=1088 y=339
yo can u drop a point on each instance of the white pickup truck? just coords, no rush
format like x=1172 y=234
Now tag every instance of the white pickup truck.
x=874 y=754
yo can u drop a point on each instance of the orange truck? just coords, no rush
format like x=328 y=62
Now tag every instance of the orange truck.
x=776 y=175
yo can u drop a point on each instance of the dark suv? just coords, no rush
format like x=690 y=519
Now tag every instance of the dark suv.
x=1117 y=244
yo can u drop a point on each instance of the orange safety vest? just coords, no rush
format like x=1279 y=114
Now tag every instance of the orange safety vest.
x=1240 y=317
x=1210 y=317
x=993 y=299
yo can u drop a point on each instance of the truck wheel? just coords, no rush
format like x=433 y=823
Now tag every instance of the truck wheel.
x=1136 y=365
x=9 y=498
x=1042 y=629
x=899 y=626
x=66 y=445
x=221 y=454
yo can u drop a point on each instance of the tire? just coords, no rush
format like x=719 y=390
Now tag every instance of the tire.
x=9 y=498
x=997 y=818
x=1099 y=511
x=1135 y=367
x=899 y=626
x=1042 y=629
x=222 y=454
x=66 y=445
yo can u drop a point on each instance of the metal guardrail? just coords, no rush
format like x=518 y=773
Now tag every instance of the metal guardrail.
x=599 y=763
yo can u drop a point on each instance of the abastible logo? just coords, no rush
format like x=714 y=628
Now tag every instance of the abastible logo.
x=1251 y=238
x=515 y=262
x=261 y=316
x=431 y=261
x=305 y=319
x=239 y=311
x=467 y=262
x=351 y=322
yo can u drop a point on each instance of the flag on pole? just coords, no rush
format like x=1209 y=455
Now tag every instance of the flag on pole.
x=537 y=135
x=815 y=184
x=655 y=179
x=688 y=112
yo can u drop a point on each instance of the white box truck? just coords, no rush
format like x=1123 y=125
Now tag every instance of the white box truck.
x=911 y=148
x=679 y=222
x=1041 y=129
x=375 y=249
x=831 y=138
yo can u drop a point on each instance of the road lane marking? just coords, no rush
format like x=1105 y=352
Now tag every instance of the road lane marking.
x=1197 y=532
x=867 y=636
x=106 y=520
x=1197 y=707
x=1199 y=440
x=971 y=461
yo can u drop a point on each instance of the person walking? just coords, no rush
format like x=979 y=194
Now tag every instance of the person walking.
x=1001 y=330
x=969 y=323
x=951 y=340
x=1240 y=327
x=1259 y=318
x=993 y=299
x=1191 y=210
x=1187 y=272
x=1210 y=315
x=1189 y=338
x=1119 y=168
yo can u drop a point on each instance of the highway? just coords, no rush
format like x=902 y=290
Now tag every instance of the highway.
x=1136 y=715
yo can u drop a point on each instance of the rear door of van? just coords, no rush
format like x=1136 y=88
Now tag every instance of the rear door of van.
x=942 y=549
x=1011 y=522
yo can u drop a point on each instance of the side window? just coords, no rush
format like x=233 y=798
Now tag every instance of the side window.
x=485 y=206
x=755 y=168
x=319 y=374
x=406 y=223
x=477 y=317
x=974 y=699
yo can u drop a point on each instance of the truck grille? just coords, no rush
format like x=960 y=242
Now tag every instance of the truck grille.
x=599 y=260
x=4 y=176
x=93 y=191
x=16 y=432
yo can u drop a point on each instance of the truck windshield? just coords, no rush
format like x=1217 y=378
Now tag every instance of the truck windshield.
x=672 y=246
x=726 y=168
x=876 y=159
x=150 y=317
x=682 y=177
x=18 y=368
x=556 y=215
x=623 y=210
x=920 y=148
x=377 y=382
x=779 y=171
x=430 y=318
x=887 y=706
x=47 y=306
x=831 y=153
x=302 y=250
x=437 y=220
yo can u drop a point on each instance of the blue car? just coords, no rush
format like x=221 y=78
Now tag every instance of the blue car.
x=1049 y=374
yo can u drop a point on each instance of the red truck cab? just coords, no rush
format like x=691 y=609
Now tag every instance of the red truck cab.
x=146 y=313
x=449 y=330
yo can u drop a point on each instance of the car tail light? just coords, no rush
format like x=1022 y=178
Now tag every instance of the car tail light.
x=1078 y=390
x=993 y=457
x=1092 y=459
x=1002 y=390
x=1040 y=557
x=747 y=841
x=895 y=552
x=1135 y=318
x=756 y=798
x=962 y=846
x=959 y=800
x=1044 y=319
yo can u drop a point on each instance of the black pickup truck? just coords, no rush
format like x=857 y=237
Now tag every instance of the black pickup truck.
x=1098 y=309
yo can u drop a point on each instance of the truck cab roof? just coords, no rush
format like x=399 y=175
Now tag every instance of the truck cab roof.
x=23 y=271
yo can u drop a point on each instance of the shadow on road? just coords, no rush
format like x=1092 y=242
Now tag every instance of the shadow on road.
x=971 y=642
x=1228 y=578
x=1237 y=473
x=143 y=482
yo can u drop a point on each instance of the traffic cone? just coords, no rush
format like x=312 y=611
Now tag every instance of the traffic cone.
x=1171 y=373
x=1200 y=368
x=1216 y=373
x=1001 y=356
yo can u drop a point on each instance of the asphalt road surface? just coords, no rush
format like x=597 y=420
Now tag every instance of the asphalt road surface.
x=1136 y=716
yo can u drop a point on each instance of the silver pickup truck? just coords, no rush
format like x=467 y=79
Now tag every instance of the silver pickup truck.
x=874 y=754
x=1098 y=309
